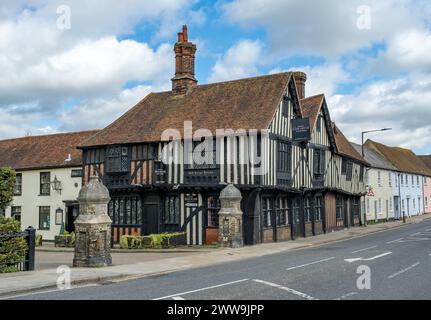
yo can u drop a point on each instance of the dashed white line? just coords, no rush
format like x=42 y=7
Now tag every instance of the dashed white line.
x=201 y=289
x=402 y=271
x=368 y=259
x=295 y=292
x=178 y=298
x=397 y=240
x=309 y=264
x=364 y=249
x=347 y=296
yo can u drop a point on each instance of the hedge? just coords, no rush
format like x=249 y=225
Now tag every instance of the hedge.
x=12 y=250
x=153 y=241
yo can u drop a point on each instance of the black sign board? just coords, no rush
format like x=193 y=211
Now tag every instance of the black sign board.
x=301 y=129
x=191 y=200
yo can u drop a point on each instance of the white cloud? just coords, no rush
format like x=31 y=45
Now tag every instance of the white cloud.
x=329 y=28
x=402 y=104
x=99 y=112
x=239 y=61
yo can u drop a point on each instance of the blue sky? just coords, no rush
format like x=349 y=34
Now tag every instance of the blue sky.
x=370 y=58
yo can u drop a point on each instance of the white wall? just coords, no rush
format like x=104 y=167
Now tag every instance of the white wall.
x=381 y=205
x=30 y=200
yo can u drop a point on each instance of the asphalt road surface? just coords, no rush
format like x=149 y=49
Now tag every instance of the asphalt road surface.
x=397 y=261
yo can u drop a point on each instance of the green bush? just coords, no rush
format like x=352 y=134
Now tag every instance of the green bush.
x=38 y=240
x=153 y=241
x=12 y=250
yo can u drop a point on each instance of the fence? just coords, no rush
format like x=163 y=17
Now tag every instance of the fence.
x=27 y=263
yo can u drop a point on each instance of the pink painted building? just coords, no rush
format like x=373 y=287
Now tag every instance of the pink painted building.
x=427 y=185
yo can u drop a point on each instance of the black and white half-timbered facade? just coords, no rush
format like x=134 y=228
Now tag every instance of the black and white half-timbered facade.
x=166 y=160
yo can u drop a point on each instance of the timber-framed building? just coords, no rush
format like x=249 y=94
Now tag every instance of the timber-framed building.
x=290 y=188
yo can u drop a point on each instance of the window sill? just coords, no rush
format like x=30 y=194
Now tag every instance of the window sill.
x=43 y=195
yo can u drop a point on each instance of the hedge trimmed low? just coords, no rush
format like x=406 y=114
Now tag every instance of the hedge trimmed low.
x=153 y=241
x=12 y=250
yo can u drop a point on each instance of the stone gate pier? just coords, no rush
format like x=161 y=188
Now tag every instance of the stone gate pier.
x=230 y=218
x=93 y=226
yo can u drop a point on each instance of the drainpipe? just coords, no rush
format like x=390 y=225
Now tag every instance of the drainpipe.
x=399 y=194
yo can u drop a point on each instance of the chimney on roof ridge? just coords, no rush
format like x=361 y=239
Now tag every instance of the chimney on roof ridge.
x=300 y=79
x=184 y=64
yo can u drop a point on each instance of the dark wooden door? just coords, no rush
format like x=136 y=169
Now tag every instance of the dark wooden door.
x=297 y=226
x=71 y=214
x=151 y=225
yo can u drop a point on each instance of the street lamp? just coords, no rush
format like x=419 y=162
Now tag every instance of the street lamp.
x=363 y=155
x=365 y=132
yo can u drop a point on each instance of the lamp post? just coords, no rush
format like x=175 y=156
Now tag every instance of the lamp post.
x=363 y=155
x=365 y=132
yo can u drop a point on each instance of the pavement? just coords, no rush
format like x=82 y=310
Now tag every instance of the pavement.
x=188 y=270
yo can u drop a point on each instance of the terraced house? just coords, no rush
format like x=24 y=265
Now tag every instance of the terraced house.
x=49 y=177
x=408 y=182
x=297 y=173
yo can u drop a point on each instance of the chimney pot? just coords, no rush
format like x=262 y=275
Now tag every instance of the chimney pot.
x=184 y=64
x=300 y=79
x=185 y=35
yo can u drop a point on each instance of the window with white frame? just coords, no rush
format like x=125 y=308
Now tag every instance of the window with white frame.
x=379 y=178
x=390 y=179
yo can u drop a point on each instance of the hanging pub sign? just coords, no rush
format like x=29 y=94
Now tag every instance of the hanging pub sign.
x=191 y=200
x=301 y=129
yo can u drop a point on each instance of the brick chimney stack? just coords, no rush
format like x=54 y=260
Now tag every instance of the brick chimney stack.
x=300 y=79
x=184 y=64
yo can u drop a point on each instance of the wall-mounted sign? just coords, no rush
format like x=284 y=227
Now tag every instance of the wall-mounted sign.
x=191 y=200
x=301 y=129
x=59 y=216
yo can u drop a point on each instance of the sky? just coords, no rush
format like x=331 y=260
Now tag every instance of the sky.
x=72 y=65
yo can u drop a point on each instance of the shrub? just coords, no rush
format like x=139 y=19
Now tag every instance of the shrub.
x=38 y=240
x=153 y=241
x=12 y=250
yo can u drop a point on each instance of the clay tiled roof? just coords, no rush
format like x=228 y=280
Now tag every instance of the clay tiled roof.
x=404 y=159
x=374 y=158
x=311 y=107
x=344 y=147
x=426 y=160
x=241 y=104
x=47 y=151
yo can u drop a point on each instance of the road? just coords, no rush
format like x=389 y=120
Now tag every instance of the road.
x=398 y=261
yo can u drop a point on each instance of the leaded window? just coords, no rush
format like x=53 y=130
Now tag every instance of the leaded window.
x=267 y=211
x=307 y=210
x=284 y=162
x=45 y=183
x=319 y=163
x=282 y=212
x=172 y=210
x=318 y=208
x=213 y=208
x=349 y=172
x=117 y=160
x=339 y=208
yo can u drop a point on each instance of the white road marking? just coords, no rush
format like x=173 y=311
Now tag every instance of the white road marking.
x=369 y=259
x=309 y=264
x=178 y=298
x=201 y=289
x=295 y=292
x=397 y=240
x=347 y=296
x=404 y=270
x=364 y=249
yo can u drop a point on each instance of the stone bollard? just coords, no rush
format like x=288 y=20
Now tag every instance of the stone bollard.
x=93 y=226
x=230 y=218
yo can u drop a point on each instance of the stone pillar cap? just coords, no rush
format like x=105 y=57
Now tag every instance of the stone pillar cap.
x=230 y=192
x=94 y=191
